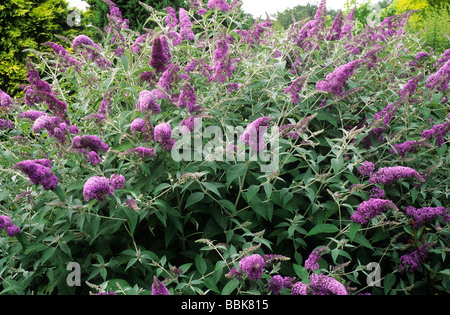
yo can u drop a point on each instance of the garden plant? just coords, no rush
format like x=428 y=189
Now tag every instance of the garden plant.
x=203 y=157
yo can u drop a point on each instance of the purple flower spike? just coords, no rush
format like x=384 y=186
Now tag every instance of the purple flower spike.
x=438 y=132
x=159 y=58
x=218 y=4
x=415 y=258
x=117 y=181
x=366 y=168
x=163 y=135
x=423 y=215
x=97 y=188
x=253 y=266
x=147 y=103
x=312 y=263
x=142 y=152
x=10 y=228
x=324 y=285
x=389 y=175
x=185 y=25
x=369 y=209
x=90 y=143
x=5 y=100
x=253 y=136
x=187 y=97
x=335 y=81
x=38 y=171
x=6 y=124
x=158 y=288
x=276 y=284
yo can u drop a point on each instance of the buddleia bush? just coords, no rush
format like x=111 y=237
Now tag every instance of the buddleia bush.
x=205 y=158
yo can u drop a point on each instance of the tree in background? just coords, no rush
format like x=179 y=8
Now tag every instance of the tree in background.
x=433 y=21
x=368 y=12
x=26 y=24
x=131 y=10
x=300 y=12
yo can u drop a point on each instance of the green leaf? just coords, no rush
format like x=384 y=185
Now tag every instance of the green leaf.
x=200 y=264
x=354 y=227
x=230 y=287
x=211 y=187
x=235 y=171
x=194 y=198
x=251 y=192
x=227 y=205
x=60 y=193
x=360 y=239
x=323 y=228
x=337 y=165
x=445 y=272
x=389 y=282
x=301 y=271
x=160 y=187
x=109 y=227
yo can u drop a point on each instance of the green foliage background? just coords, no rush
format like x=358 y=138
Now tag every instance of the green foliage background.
x=26 y=24
x=131 y=10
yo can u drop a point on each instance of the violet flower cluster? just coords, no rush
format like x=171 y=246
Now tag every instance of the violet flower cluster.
x=90 y=146
x=440 y=79
x=277 y=283
x=158 y=288
x=55 y=127
x=185 y=25
x=312 y=28
x=312 y=263
x=147 y=103
x=335 y=81
x=163 y=135
x=65 y=59
x=5 y=100
x=257 y=32
x=98 y=187
x=408 y=146
x=92 y=51
x=114 y=27
x=187 y=97
x=143 y=125
x=410 y=87
x=218 y=4
x=6 y=124
x=253 y=266
x=160 y=57
x=7 y=225
x=438 y=132
x=415 y=258
x=32 y=97
x=31 y=114
x=142 y=152
x=335 y=32
x=367 y=210
x=295 y=88
x=367 y=168
x=424 y=215
x=320 y=284
x=223 y=65
x=253 y=135
x=389 y=175
x=39 y=172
